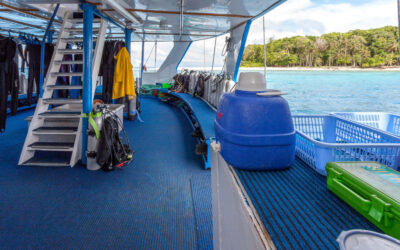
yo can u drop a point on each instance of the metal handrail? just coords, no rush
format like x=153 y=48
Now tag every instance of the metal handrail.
x=43 y=44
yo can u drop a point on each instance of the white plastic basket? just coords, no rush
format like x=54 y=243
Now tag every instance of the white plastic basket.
x=325 y=138
x=384 y=121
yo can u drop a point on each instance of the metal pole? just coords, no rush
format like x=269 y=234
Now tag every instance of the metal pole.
x=204 y=54
x=131 y=102
x=181 y=19
x=88 y=11
x=42 y=48
x=128 y=35
x=241 y=49
x=265 y=56
x=141 y=65
x=212 y=65
x=50 y=37
x=155 y=56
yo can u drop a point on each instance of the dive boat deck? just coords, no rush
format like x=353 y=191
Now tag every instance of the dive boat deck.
x=297 y=209
x=161 y=201
x=294 y=205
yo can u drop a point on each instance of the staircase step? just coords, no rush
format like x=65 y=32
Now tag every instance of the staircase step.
x=64 y=87
x=60 y=114
x=70 y=51
x=49 y=159
x=53 y=143
x=67 y=74
x=62 y=101
x=54 y=162
x=55 y=131
x=52 y=146
x=69 y=62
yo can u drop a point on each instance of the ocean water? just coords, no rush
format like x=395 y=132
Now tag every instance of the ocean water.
x=321 y=92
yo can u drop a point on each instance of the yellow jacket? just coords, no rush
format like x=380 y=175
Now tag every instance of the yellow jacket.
x=124 y=84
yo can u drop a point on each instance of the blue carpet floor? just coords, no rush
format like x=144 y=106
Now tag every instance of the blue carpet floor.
x=162 y=201
x=153 y=204
x=201 y=189
x=298 y=210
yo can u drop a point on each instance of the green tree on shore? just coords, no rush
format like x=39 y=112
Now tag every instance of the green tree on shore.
x=357 y=48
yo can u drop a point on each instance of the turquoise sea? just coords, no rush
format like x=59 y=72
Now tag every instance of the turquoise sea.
x=321 y=92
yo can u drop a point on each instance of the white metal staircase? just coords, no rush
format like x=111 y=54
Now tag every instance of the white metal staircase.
x=54 y=135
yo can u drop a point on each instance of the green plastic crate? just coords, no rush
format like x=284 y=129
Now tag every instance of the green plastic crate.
x=370 y=188
x=147 y=89
x=166 y=85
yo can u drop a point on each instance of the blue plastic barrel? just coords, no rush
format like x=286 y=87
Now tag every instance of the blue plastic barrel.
x=255 y=128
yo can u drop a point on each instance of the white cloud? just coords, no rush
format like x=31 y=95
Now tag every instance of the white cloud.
x=303 y=17
x=294 y=17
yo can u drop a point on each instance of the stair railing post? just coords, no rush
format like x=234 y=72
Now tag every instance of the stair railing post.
x=88 y=15
x=50 y=37
x=141 y=65
x=128 y=35
x=42 y=49
x=131 y=102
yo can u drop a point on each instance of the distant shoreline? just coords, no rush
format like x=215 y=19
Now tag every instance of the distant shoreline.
x=218 y=69
x=397 y=68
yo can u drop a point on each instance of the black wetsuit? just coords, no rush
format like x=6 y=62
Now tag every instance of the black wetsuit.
x=48 y=54
x=3 y=85
x=32 y=55
x=111 y=49
x=8 y=79
x=12 y=76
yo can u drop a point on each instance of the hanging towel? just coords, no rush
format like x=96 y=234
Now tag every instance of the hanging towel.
x=124 y=84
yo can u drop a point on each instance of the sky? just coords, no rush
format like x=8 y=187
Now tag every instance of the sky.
x=294 y=17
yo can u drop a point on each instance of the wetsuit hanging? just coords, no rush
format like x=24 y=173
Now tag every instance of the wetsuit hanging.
x=111 y=48
x=48 y=54
x=107 y=70
x=12 y=76
x=3 y=84
x=9 y=83
x=22 y=55
x=32 y=55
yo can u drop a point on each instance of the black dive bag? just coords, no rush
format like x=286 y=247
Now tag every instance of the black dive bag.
x=112 y=152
